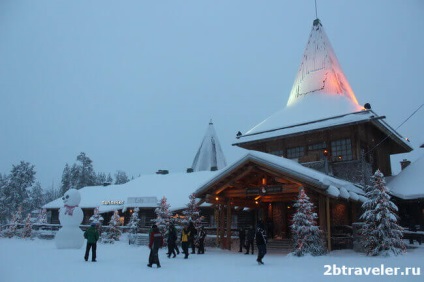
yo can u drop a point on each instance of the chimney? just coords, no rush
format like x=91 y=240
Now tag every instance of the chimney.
x=189 y=170
x=404 y=164
x=214 y=168
x=162 y=171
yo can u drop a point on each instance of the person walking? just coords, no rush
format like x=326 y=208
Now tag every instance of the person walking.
x=242 y=238
x=261 y=241
x=192 y=237
x=155 y=243
x=201 y=240
x=171 y=240
x=92 y=235
x=185 y=234
x=250 y=240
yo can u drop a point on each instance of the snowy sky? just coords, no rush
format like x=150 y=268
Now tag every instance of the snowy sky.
x=134 y=84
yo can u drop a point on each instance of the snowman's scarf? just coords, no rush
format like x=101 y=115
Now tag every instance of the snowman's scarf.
x=70 y=209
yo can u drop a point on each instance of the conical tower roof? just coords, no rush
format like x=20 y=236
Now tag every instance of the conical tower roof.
x=319 y=72
x=320 y=89
x=210 y=155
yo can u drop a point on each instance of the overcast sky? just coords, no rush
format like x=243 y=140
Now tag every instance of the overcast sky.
x=133 y=84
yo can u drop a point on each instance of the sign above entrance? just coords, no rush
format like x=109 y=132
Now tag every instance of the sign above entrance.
x=264 y=190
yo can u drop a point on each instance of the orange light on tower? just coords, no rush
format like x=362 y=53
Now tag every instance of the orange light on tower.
x=263 y=181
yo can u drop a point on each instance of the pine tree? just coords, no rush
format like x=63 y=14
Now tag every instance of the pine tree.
x=14 y=192
x=134 y=222
x=66 y=180
x=307 y=237
x=27 y=231
x=87 y=176
x=36 y=197
x=192 y=212
x=381 y=234
x=114 y=233
x=101 y=178
x=121 y=177
x=163 y=215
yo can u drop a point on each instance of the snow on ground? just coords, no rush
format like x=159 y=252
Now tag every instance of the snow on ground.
x=39 y=260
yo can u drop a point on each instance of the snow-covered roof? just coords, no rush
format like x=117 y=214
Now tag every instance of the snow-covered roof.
x=323 y=123
x=409 y=183
x=144 y=191
x=332 y=186
x=210 y=153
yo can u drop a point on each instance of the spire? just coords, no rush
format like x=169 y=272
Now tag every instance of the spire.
x=210 y=155
x=320 y=72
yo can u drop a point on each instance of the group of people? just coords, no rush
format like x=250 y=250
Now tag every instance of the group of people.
x=190 y=238
x=248 y=237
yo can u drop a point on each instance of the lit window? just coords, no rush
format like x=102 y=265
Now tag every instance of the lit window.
x=297 y=152
x=341 y=150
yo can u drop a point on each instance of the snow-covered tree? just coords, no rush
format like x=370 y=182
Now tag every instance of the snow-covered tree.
x=87 y=176
x=36 y=197
x=381 y=234
x=114 y=233
x=27 y=231
x=121 y=177
x=192 y=212
x=307 y=237
x=66 y=180
x=51 y=194
x=109 y=178
x=134 y=221
x=163 y=215
x=14 y=192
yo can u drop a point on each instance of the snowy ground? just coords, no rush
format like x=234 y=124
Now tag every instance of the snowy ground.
x=39 y=260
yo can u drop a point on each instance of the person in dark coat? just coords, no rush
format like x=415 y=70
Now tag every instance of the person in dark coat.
x=201 y=240
x=242 y=238
x=261 y=241
x=250 y=240
x=171 y=240
x=155 y=243
x=92 y=235
x=192 y=237
x=185 y=234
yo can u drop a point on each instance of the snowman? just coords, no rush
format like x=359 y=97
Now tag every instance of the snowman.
x=70 y=236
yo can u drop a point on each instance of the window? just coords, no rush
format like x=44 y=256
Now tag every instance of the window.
x=297 y=152
x=318 y=146
x=279 y=153
x=341 y=150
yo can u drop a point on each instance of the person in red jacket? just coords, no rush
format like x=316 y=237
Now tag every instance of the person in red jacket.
x=155 y=243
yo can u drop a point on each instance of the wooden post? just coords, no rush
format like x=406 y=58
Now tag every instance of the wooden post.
x=229 y=224
x=222 y=226
x=217 y=223
x=322 y=212
x=328 y=224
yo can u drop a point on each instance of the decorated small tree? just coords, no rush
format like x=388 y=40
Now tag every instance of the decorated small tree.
x=134 y=222
x=381 y=234
x=27 y=232
x=97 y=219
x=307 y=237
x=163 y=215
x=192 y=212
x=114 y=233
x=12 y=230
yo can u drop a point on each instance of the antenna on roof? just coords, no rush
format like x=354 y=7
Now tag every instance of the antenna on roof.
x=316 y=11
